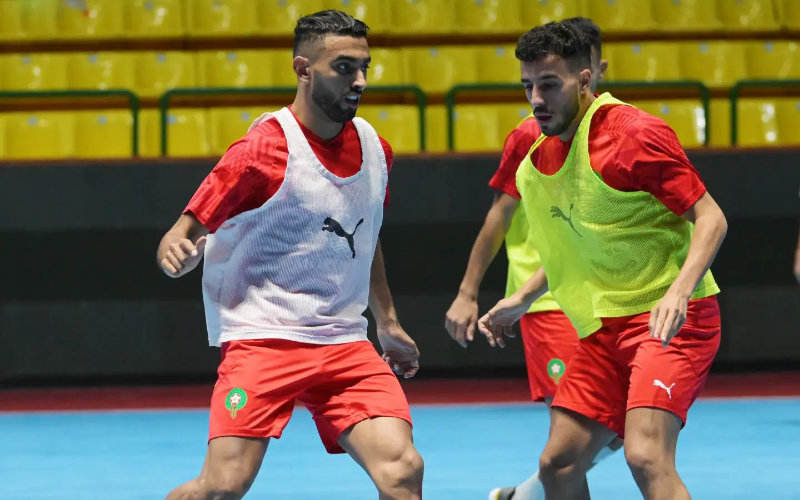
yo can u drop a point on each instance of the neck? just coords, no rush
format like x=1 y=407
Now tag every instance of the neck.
x=584 y=102
x=313 y=118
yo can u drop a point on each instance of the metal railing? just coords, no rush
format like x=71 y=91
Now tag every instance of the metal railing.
x=167 y=97
x=703 y=91
x=734 y=99
x=133 y=104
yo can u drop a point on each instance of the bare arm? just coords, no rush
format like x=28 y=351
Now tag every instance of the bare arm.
x=399 y=350
x=498 y=321
x=461 y=318
x=710 y=228
x=181 y=248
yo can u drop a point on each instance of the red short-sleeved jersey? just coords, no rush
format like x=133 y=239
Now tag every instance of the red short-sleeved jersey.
x=632 y=151
x=253 y=168
x=518 y=143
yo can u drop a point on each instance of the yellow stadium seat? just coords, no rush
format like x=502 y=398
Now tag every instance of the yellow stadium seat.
x=738 y=15
x=647 y=61
x=497 y=64
x=241 y=68
x=398 y=124
x=90 y=19
x=187 y=133
x=11 y=23
x=39 y=71
x=221 y=17
x=536 y=12
x=621 y=15
x=509 y=116
x=39 y=18
x=103 y=134
x=422 y=16
x=435 y=129
x=280 y=16
x=717 y=64
x=788 y=12
x=684 y=116
x=149 y=133
x=100 y=70
x=686 y=15
x=477 y=129
x=788 y=121
x=773 y=59
x=386 y=68
x=436 y=69
x=375 y=13
x=720 y=123
x=228 y=125
x=157 y=72
x=280 y=62
x=490 y=16
x=154 y=18
x=39 y=135
x=757 y=123
x=2 y=135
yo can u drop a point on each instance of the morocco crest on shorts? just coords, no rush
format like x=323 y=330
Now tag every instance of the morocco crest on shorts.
x=235 y=400
x=555 y=369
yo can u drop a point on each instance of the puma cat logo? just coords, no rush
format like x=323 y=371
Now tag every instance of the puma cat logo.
x=556 y=212
x=333 y=226
x=661 y=384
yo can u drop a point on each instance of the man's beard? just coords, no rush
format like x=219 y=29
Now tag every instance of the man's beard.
x=330 y=104
x=560 y=128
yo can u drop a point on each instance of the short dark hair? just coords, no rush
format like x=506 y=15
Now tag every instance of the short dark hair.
x=590 y=30
x=313 y=27
x=560 y=39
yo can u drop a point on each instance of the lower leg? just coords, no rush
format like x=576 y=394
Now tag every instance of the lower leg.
x=231 y=466
x=383 y=446
x=651 y=437
x=574 y=442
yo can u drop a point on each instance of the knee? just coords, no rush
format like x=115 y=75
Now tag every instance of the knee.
x=225 y=487
x=553 y=465
x=646 y=460
x=402 y=473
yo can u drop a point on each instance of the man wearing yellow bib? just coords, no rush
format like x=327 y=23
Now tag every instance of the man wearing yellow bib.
x=626 y=233
x=548 y=338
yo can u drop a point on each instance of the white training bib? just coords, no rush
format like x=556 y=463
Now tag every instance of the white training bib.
x=298 y=267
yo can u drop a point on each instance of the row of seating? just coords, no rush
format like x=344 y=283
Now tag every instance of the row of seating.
x=434 y=69
x=69 y=19
x=478 y=128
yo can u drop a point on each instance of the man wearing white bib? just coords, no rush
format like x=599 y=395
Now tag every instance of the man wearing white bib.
x=288 y=223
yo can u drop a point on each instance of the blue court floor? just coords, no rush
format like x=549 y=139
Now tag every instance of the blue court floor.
x=731 y=449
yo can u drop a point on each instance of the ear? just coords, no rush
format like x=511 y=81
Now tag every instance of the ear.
x=586 y=80
x=301 y=66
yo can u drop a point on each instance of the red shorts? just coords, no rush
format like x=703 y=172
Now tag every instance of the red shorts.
x=549 y=340
x=619 y=367
x=259 y=382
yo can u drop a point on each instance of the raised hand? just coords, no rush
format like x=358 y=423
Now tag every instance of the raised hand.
x=181 y=256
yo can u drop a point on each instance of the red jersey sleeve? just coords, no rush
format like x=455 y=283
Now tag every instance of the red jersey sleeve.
x=515 y=149
x=389 y=154
x=245 y=177
x=642 y=153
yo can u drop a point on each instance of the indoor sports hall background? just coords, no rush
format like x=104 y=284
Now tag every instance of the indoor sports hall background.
x=113 y=111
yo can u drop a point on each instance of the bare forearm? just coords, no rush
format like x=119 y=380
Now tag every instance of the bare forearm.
x=531 y=290
x=380 y=297
x=487 y=244
x=710 y=229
